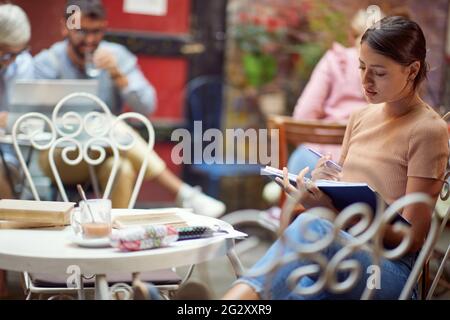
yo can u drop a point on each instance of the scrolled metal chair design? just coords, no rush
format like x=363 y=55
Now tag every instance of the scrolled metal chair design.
x=100 y=134
x=95 y=131
x=446 y=255
x=367 y=235
x=70 y=132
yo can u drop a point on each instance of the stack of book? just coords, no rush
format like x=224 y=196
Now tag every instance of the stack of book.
x=21 y=214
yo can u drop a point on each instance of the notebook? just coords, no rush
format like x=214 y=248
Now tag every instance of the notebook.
x=341 y=193
x=35 y=213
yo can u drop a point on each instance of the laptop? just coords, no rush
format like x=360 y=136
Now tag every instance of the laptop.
x=43 y=95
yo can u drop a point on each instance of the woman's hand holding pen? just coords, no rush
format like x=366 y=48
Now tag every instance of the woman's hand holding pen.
x=325 y=172
x=307 y=192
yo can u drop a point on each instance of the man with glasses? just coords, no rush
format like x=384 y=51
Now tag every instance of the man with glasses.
x=85 y=55
x=15 y=63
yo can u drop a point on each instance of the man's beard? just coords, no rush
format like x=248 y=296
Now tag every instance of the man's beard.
x=77 y=49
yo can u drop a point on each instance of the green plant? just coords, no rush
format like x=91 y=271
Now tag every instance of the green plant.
x=270 y=31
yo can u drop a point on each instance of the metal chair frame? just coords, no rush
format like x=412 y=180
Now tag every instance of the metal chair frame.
x=100 y=135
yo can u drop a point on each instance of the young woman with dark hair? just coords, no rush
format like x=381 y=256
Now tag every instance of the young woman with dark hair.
x=398 y=145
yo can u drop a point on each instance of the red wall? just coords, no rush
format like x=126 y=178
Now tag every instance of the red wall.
x=176 y=21
x=45 y=17
x=168 y=76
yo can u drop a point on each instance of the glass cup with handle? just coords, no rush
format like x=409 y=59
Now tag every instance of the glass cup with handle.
x=93 y=219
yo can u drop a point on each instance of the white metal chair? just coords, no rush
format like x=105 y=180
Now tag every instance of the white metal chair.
x=445 y=216
x=100 y=132
x=368 y=236
x=446 y=256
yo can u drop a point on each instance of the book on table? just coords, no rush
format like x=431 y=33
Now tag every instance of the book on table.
x=153 y=218
x=16 y=213
x=341 y=193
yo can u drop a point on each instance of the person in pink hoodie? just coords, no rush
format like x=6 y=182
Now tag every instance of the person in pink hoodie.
x=333 y=92
x=334 y=89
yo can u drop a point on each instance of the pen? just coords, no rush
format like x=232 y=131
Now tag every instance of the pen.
x=328 y=162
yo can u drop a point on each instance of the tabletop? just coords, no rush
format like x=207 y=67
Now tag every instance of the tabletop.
x=52 y=250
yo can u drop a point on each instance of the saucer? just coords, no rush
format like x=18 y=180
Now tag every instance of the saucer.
x=91 y=243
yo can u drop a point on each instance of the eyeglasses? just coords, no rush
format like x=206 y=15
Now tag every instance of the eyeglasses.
x=8 y=56
x=82 y=33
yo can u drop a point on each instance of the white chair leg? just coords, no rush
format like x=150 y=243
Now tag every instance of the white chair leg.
x=101 y=287
x=81 y=295
x=438 y=274
x=236 y=263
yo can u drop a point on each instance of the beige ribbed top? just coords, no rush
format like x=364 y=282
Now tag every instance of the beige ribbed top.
x=384 y=151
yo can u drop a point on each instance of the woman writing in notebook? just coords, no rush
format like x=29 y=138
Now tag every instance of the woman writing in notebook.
x=398 y=145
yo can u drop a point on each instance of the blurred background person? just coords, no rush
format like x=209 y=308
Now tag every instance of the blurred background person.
x=15 y=63
x=121 y=82
x=332 y=93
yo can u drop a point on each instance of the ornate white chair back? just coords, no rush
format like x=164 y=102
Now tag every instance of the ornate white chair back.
x=72 y=132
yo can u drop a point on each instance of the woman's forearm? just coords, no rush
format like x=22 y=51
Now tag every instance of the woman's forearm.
x=393 y=239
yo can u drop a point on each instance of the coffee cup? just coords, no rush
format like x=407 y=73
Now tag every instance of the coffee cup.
x=92 y=219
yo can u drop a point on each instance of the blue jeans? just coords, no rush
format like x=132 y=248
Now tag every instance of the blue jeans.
x=300 y=159
x=10 y=154
x=394 y=273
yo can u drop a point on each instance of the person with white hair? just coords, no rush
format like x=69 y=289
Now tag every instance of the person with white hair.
x=15 y=60
x=15 y=63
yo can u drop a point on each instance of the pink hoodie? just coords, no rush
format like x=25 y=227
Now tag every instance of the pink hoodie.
x=333 y=92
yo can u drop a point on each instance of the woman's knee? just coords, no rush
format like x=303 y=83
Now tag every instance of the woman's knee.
x=307 y=222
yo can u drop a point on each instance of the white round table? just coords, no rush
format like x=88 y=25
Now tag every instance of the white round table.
x=51 y=250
